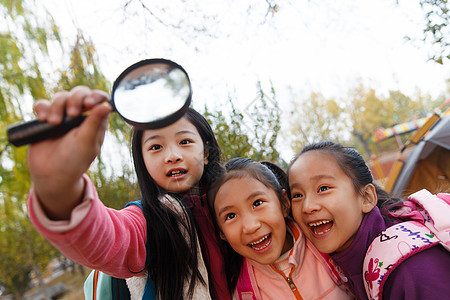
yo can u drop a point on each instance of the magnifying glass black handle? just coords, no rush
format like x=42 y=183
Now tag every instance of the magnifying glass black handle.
x=35 y=131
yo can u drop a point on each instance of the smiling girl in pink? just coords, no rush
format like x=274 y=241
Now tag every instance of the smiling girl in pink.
x=334 y=201
x=251 y=212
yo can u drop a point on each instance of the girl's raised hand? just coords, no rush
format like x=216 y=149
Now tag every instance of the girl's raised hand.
x=57 y=165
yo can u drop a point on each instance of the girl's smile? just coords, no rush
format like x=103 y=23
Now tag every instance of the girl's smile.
x=320 y=228
x=176 y=173
x=262 y=243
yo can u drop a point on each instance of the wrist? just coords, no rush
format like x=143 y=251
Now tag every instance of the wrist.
x=58 y=199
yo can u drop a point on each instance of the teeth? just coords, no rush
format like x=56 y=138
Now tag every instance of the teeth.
x=260 y=240
x=313 y=226
x=319 y=223
x=174 y=173
x=323 y=232
x=260 y=248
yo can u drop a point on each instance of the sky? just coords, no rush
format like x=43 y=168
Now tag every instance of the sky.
x=227 y=46
x=323 y=47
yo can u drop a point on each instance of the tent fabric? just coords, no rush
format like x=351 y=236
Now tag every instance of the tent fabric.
x=428 y=164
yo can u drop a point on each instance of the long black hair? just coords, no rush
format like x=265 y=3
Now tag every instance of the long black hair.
x=173 y=258
x=355 y=167
x=268 y=174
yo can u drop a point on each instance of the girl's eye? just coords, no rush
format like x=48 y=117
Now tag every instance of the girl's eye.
x=230 y=216
x=297 y=196
x=257 y=203
x=185 y=142
x=155 y=147
x=323 y=188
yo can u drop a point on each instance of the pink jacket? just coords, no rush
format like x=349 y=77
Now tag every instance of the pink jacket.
x=310 y=274
x=96 y=236
x=108 y=240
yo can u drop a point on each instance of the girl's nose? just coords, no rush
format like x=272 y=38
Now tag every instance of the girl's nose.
x=310 y=205
x=251 y=224
x=173 y=156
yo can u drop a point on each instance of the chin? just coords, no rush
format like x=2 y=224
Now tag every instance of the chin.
x=324 y=248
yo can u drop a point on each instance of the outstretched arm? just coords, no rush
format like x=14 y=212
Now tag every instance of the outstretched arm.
x=57 y=165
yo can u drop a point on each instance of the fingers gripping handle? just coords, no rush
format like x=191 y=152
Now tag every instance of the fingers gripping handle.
x=35 y=131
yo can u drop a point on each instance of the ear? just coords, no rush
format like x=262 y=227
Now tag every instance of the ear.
x=206 y=155
x=285 y=204
x=370 y=198
x=222 y=236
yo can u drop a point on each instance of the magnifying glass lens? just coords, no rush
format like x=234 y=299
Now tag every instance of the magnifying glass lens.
x=153 y=93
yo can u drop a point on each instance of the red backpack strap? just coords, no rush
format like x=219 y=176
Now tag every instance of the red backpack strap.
x=244 y=288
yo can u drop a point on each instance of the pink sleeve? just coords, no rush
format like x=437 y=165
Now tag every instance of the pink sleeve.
x=109 y=240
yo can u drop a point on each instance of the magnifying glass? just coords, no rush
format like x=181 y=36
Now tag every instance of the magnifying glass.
x=149 y=94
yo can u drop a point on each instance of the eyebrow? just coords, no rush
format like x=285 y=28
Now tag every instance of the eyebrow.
x=252 y=195
x=152 y=137
x=316 y=177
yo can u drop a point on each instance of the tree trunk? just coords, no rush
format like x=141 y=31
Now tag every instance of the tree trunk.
x=82 y=272
x=44 y=287
x=18 y=295
x=363 y=142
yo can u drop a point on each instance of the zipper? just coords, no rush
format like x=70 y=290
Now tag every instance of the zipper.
x=290 y=282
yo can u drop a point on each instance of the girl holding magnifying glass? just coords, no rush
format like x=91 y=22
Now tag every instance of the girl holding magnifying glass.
x=174 y=167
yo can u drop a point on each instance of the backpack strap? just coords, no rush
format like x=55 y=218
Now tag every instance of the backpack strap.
x=244 y=288
x=398 y=242
x=435 y=210
x=147 y=247
x=389 y=249
x=149 y=291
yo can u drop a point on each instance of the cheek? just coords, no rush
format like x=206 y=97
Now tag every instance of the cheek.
x=231 y=234
x=280 y=218
x=296 y=211
x=201 y=170
x=305 y=229
x=152 y=169
x=199 y=164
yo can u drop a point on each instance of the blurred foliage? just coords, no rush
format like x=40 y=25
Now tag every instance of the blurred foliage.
x=353 y=119
x=24 y=41
x=32 y=57
x=437 y=30
x=265 y=114
x=315 y=119
x=368 y=111
x=251 y=133
x=230 y=134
